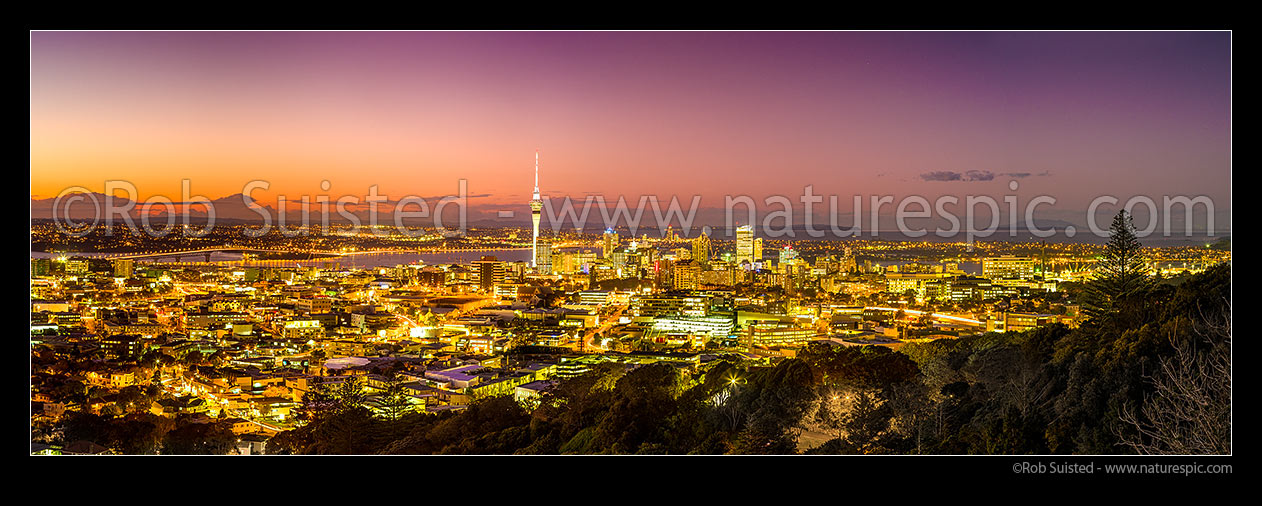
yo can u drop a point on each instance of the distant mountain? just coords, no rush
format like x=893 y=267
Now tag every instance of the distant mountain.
x=78 y=206
x=1046 y=224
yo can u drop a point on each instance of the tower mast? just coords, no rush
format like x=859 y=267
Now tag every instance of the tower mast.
x=536 y=205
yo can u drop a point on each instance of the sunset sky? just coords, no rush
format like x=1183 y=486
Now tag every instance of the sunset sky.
x=1072 y=115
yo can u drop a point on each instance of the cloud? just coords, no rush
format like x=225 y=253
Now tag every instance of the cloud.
x=947 y=175
x=975 y=175
x=941 y=175
x=979 y=175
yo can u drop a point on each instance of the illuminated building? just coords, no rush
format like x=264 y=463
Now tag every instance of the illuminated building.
x=122 y=347
x=1020 y=322
x=491 y=272
x=713 y=326
x=432 y=276
x=123 y=268
x=619 y=262
x=686 y=275
x=77 y=265
x=610 y=243
x=721 y=274
x=701 y=249
x=509 y=291
x=303 y=329
x=544 y=252
x=967 y=287
x=593 y=297
x=788 y=254
x=1008 y=267
x=745 y=245
x=573 y=262
x=773 y=333
x=900 y=282
x=315 y=305
x=659 y=305
x=848 y=263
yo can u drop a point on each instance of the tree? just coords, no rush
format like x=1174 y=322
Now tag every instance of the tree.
x=1190 y=411
x=642 y=400
x=350 y=394
x=192 y=358
x=830 y=416
x=777 y=400
x=1121 y=273
x=347 y=432
x=317 y=402
x=865 y=422
x=199 y=439
x=394 y=399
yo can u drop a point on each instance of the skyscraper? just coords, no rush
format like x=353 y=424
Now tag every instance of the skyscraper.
x=788 y=254
x=491 y=271
x=745 y=245
x=611 y=243
x=685 y=275
x=701 y=249
x=536 y=205
x=545 y=258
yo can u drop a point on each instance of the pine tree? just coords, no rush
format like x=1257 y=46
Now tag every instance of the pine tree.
x=350 y=394
x=1121 y=273
x=317 y=403
x=394 y=399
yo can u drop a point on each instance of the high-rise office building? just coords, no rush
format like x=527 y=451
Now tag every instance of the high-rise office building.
x=848 y=263
x=745 y=245
x=757 y=249
x=647 y=258
x=124 y=267
x=41 y=266
x=490 y=271
x=610 y=243
x=788 y=254
x=573 y=262
x=685 y=275
x=544 y=256
x=701 y=249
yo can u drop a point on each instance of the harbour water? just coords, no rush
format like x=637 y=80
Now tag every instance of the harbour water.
x=366 y=260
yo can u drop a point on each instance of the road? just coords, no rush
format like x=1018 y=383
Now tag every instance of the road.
x=589 y=339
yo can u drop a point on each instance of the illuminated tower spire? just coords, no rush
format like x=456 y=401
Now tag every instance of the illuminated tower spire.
x=536 y=197
x=536 y=205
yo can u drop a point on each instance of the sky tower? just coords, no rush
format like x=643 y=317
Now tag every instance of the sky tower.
x=536 y=205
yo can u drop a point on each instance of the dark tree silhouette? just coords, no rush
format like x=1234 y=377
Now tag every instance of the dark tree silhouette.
x=1121 y=273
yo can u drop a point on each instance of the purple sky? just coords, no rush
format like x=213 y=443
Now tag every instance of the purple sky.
x=632 y=114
